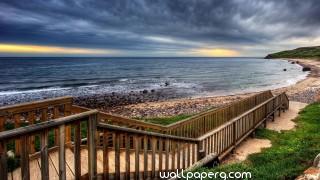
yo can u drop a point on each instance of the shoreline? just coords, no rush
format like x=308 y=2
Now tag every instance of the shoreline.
x=169 y=101
x=306 y=91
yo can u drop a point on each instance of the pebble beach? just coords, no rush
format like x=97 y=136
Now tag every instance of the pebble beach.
x=306 y=91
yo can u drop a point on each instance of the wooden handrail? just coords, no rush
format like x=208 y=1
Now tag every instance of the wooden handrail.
x=227 y=136
x=190 y=123
x=34 y=128
x=236 y=118
x=141 y=132
x=23 y=107
x=215 y=110
x=25 y=134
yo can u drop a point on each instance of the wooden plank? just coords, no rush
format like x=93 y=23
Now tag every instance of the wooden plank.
x=56 y=115
x=67 y=112
x=62 y=153
x=173 y=144
x=44 y=155
x=105 y=155
x=77 y=150
x=127 y=146
x=189 y=154
x=145 y=157
x=160 y=154
x=167 y=155
x=3 y=161
x=32 y=119
x=178 y=155
x=16 y=119
x=92 y=153
x=137 y=161
x=193 y=153
x=183 y=156
x=44 y=115
x=117 y=156
x=153 y=161
x=25 y=171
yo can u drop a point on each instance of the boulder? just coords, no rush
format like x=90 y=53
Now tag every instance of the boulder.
x=306 y=69
x=316 y=162
x=284 y=69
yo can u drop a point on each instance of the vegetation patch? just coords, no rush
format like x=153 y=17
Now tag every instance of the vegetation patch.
x=291 y=153
x=166 y=120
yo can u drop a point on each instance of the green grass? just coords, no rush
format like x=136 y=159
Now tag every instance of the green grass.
x=304 y=52
x=291 y=153
x=166 y=120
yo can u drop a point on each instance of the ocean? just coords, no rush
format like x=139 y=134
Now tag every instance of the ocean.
x=25 y=79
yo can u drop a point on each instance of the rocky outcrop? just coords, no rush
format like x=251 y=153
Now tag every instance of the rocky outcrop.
x=312 y=173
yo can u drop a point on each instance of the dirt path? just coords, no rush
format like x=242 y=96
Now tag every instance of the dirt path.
x=254 y=145
x=284 y=122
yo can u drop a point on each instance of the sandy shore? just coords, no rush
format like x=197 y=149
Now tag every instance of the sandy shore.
x=306 y=91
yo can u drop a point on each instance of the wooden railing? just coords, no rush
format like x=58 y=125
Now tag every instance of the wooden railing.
x=42 y=129
x=139 y=150
x=227 y=136
x=26 y=114
x=194 y=126
x=143 y=154
x=122 y=121
x=202 y=123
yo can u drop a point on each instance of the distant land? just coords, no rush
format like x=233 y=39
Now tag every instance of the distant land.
x=302 y=52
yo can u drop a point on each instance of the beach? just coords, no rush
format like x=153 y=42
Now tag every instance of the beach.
x=306 y=91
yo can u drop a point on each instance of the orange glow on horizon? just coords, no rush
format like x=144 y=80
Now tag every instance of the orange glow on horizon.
x=37 y=49
x=217 y=52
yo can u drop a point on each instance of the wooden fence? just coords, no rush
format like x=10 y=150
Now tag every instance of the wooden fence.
x=15 y=116
x=194 y=126
x=227 y=136
x=122 y=148
x=42 y=129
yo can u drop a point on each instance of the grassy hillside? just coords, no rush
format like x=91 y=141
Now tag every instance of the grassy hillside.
x=303 y=52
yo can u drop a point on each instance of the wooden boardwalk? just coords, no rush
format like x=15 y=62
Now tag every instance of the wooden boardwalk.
x=115 y=147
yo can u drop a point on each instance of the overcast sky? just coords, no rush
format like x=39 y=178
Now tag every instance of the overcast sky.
x=156 y=27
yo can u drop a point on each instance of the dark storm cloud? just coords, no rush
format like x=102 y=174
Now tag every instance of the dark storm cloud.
x=141 y=24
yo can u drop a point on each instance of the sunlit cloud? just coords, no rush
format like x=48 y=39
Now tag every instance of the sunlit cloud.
x=216 y=52
x=37 y=49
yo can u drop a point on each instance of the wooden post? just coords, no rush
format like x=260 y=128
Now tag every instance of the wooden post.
x=145 y=157
x=44 y=155
x=16 y=118
x=56 y=131
x=137 y=156
x=2 y=149
x=105 y=155
x=127 y=146
x=77 y=150
x=25 y=173
x=67 y=112
x=201 y=152
x=62 y=153
x=3 y=161
x=92 y=153
x=117 y=155
x=32 y=119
